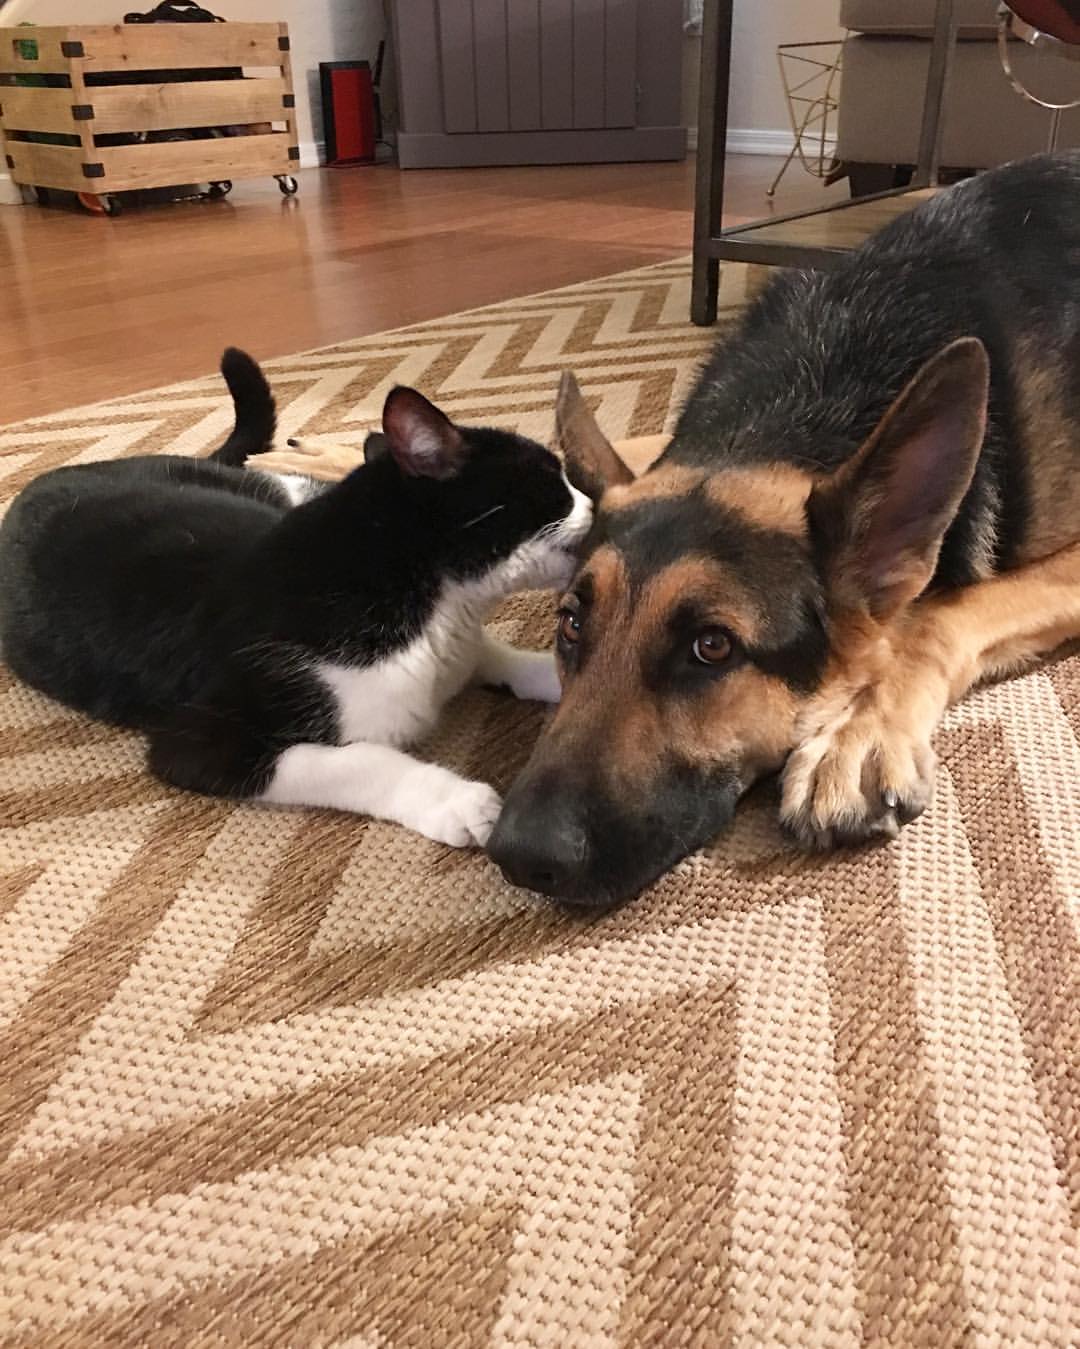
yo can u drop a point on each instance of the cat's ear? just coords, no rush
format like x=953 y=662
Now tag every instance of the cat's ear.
x=425 y=443
x=591 y=463
x=376 y=447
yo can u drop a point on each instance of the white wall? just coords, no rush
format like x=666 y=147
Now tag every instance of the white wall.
x=757 y=99
x=320 y=30
x=757 y=111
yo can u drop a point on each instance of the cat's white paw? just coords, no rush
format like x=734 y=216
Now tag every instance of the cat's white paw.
x=463 y=818
x=532 y=675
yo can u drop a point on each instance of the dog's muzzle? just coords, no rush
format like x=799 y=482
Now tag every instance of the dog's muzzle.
x=576 y=845
x=540 y=844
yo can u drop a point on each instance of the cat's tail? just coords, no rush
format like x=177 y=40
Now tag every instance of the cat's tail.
x=256 y=416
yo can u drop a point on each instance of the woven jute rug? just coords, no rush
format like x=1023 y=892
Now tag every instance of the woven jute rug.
x=301 y=1079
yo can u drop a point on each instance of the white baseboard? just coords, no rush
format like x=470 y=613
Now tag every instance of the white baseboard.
x=312 y=154
x=754 y=141
x=759 y=141
x=10 y=193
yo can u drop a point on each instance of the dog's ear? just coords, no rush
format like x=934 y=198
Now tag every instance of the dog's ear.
x=425 y=443
x=591 y=463
x=376 y=447
x=880 y=519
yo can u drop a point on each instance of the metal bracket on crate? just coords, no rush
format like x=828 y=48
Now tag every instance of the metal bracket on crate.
x=82 y=112
x=93 y=170
x=72 y=49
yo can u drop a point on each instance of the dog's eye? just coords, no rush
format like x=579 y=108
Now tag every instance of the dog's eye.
x=569 y=627
x=712 y=647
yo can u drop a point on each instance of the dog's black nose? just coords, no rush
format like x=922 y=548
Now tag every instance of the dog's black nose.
x=541 y=845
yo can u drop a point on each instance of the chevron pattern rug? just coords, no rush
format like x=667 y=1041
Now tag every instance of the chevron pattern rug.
x=287 y=1078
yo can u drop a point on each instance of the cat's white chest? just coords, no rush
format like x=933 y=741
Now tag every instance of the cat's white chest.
x=398 y=700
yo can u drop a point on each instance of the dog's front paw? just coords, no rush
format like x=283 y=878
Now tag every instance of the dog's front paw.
x=462 y=818
x=857 y=780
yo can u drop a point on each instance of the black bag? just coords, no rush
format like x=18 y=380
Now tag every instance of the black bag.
x=175 y=11
x=171 y=11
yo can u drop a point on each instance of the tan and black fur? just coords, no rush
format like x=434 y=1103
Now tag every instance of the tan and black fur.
x=870 y=502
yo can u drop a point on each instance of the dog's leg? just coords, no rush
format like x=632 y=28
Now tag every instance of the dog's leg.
x=865 y=764
x=527 y=674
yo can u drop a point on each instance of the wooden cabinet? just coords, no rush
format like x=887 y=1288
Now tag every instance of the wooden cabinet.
x=538 y=81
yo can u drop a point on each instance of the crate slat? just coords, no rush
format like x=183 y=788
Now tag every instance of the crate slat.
x=50 y=59
x=152 y=46
x=50 y=166
x=38 y=110
x=159 y=46
x=146 y=107
x=172 y=162
x=164 y=107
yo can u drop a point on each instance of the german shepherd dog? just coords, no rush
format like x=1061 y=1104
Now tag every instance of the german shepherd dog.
x=871 y=501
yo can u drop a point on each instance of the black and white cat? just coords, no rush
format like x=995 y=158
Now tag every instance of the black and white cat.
x=283 y=640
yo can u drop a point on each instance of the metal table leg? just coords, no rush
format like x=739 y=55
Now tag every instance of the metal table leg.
x=712 y=244
x=711 y=155
x=937 y=80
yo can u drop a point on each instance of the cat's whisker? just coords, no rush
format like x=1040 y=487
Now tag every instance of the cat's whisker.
x=494 y=510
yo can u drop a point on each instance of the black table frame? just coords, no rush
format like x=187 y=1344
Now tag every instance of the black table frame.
x=712 y=244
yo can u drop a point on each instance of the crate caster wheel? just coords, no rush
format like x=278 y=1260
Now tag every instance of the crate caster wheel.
x=41 y=194
x=219 y=190
x=96 y=205
x=288 y=184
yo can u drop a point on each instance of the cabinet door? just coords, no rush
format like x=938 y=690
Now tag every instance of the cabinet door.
x=537 y=81
x=537 y=65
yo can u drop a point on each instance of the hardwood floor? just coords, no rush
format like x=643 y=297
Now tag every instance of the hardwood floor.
x=93 y=308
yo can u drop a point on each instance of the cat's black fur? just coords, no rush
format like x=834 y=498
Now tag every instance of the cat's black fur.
x=189 y=598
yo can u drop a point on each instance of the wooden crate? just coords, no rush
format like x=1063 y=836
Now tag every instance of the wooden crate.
x=84 y=113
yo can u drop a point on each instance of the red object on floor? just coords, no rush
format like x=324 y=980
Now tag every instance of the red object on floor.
x=348 y=100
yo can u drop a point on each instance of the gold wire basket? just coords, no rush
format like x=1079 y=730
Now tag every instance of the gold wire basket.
x=810 y=73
